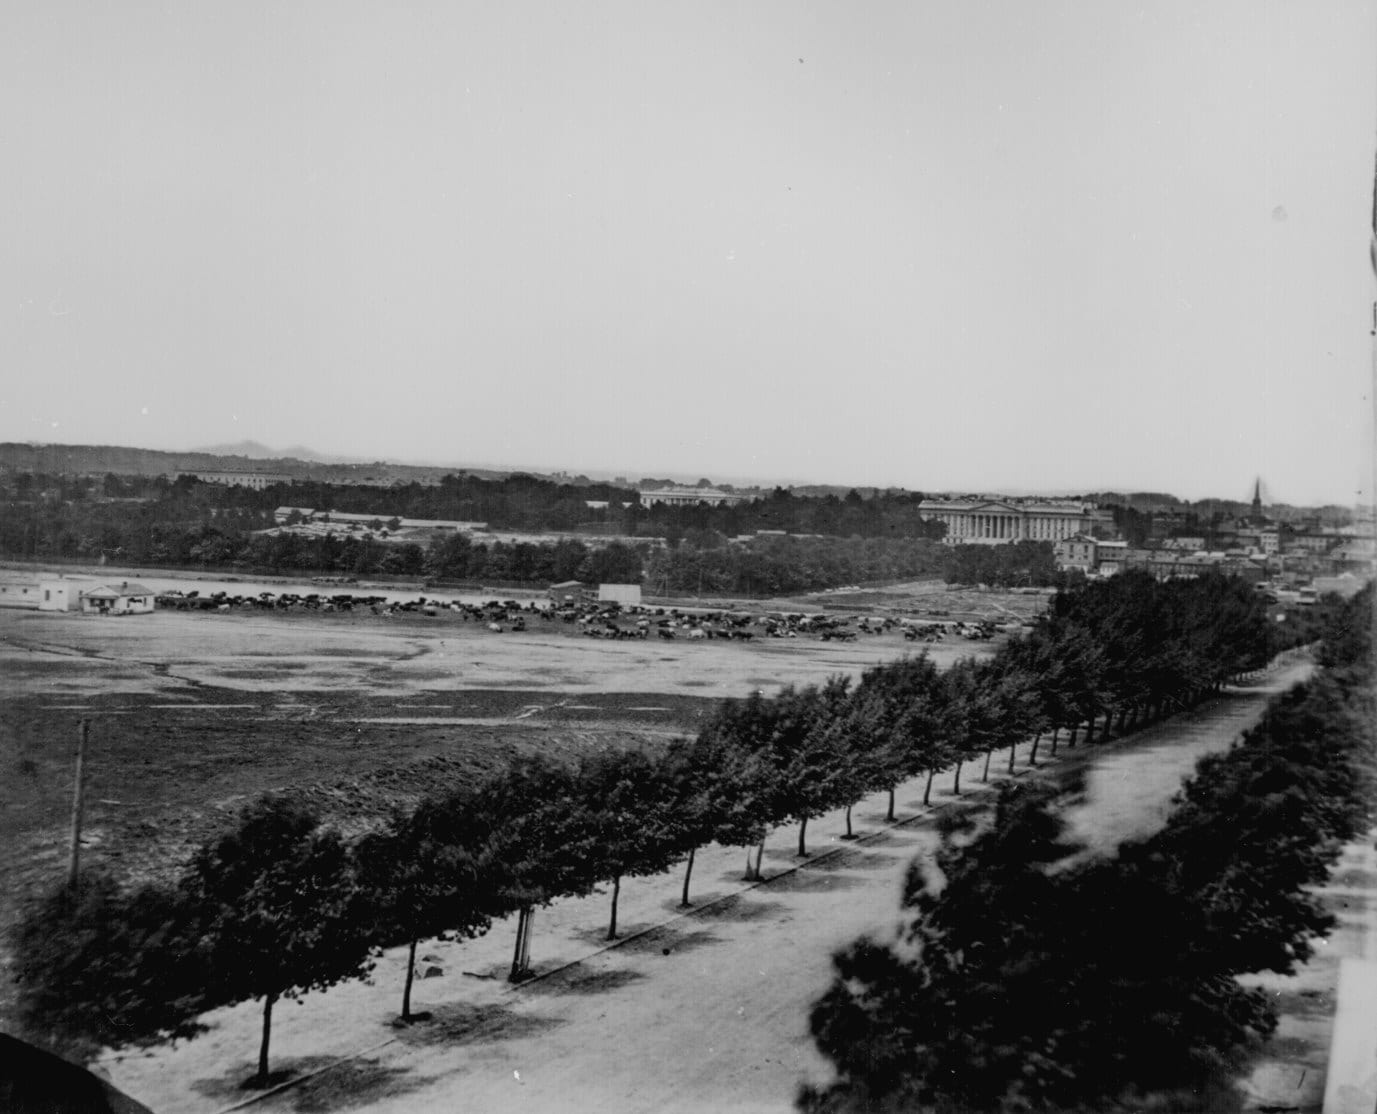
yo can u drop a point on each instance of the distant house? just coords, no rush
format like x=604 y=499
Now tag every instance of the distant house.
x=126 y=598
x=1110 y=557
x=1076 y=552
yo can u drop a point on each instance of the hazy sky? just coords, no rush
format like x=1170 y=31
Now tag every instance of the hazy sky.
x=954 y=245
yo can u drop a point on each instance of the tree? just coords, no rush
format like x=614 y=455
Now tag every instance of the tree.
x=697 y=792
x=543 y=841
x=1027 y=981
x=99 y=966
x=429 y=873
x=794 y=734
x=631 y=828
x=281 y=913
x=899 y=708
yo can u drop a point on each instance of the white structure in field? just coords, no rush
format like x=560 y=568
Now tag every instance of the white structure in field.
x=625 y=594
x=19 y=595
x=993 y=521
x=61 y=594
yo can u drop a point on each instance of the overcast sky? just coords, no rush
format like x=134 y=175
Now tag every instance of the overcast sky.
x=955 y=245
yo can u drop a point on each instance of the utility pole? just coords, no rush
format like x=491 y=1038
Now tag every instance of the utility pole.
x=74 y=860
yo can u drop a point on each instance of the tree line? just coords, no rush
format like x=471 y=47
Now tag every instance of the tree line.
x=1034 y=978
x=155 y=522
x=283 y=904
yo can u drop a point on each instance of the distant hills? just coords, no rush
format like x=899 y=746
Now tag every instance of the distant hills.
x=298 y=463
x=306 y=464
x=256 y=450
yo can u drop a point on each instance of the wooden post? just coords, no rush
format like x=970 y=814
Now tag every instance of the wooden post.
x=74 y=860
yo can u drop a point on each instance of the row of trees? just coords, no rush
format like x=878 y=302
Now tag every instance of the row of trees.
x=283 y=905
x=703 y=562
x=1035 y=978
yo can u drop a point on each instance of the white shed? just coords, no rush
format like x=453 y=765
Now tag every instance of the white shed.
x=61 y=594
x=624 y=594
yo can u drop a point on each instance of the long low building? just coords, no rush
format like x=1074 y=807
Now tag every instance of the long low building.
x=995 y=521
x=688 y=497
x=235 y=477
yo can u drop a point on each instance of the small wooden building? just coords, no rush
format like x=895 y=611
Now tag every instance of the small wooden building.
x=126 y=598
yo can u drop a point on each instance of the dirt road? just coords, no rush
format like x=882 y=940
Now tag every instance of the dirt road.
x=700 y=1012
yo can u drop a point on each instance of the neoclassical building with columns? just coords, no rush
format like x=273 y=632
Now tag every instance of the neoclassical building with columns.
x=993 y=521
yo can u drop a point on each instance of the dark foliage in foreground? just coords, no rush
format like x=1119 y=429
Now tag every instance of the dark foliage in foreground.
x=1032 y=978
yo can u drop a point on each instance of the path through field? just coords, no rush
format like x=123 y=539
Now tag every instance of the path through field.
x=707 y=1011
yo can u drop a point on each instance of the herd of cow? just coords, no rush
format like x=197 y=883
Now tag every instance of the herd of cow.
x=596 y=620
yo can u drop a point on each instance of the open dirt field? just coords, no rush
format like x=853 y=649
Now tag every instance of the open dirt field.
x=194 y=713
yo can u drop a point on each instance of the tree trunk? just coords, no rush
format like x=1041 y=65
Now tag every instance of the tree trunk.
x=927 y=789
x=521 y=958
x=1071 y=738
x=956 y=778
x=848 y=823
x=750 y=874
x=759 y=854
x=802 y=832
x=616 y=893
x=1032 y=754
x=410 y=975
x=515 y=973
x=1013 y=749
x=688 y=873
x=985 y=775
x=526 y=942
x=889 y=816
x=1055 y=732
x=1090 y=731
x=261 y=1079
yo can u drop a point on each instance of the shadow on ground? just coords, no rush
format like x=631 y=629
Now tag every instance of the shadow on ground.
x=670 y=939
x=739 y=907
x=230 y=1087
x=466 y=1023
x=811 y=879
x=579 y=980
x=854 y=858
x=354 y=1084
